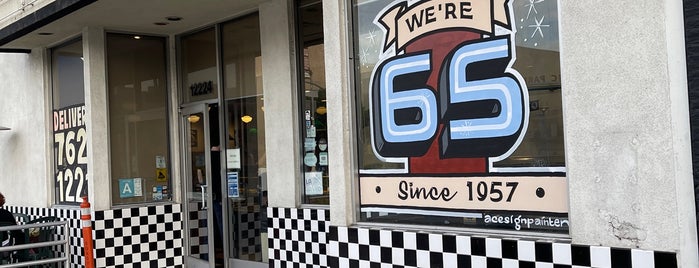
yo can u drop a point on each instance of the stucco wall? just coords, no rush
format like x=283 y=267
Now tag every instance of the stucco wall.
x=23 y=150
x=626 y=125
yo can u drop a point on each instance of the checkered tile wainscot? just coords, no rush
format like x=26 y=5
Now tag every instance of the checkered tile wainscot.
x=72 y=216
x=298 y=237
x=139 y=237
x=247 y=219
x=294 y=231
x=198 y=232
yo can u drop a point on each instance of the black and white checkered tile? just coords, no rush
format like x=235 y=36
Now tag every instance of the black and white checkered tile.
x=247 y=221
x=298 y=237
x=70 y=215
x=198 y=232
x=139 y=237
x=360 y=247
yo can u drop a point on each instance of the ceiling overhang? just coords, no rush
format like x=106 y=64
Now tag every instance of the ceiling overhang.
x=64 y=19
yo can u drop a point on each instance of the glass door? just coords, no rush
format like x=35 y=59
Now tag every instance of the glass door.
x=246 y=174
x=244 y=168
x=197 y=179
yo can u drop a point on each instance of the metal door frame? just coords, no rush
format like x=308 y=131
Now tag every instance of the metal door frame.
x=187 y=170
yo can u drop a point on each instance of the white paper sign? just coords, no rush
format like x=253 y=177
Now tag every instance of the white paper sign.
x=311 y=132
x=314 y=183
x=309 y=144
x=233 y=158
x=323 y=158
x=310 y=159
x=159 y=161
x=138 y=187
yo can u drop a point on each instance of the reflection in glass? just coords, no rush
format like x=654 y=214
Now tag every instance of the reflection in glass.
x=68 y=85
x=314 y=116
x=197 y=187
x=245 y=170
x=138 y=129
x=68 y=77
x=199 y=77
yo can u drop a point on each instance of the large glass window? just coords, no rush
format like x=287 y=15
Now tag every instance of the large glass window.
x=459 y=114
x=199 y=73
x=313 y=102
x=69 y=115
x=138 y=128
x=245 y=165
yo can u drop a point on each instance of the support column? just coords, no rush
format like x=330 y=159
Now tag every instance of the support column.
x=341 y=126
x=98 y=173
x=281 y=110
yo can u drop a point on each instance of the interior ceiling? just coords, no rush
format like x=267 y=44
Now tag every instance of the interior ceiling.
x=136 y=16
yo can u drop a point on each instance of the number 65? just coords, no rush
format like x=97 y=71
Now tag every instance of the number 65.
x=481 y=104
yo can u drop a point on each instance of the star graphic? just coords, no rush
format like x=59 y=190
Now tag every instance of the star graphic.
x=372 y=37
x=363 y=56
x=532 y=7
x=538 y=26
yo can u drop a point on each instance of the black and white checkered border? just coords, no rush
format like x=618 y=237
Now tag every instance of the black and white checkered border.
x=361 y=247
x=298 y=237
x=139 y=237
x=72 y=216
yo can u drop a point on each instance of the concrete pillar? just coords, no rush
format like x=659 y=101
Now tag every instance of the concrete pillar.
x=341 y=124
x=280 y=91
x=627 y=127
x=98 y=174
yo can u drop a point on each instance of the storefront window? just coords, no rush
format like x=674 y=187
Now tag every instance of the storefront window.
x=313 y=102
x=199 y=79
x=459 y=114
x=138 y=128
x=245 y=158
x=69 y=115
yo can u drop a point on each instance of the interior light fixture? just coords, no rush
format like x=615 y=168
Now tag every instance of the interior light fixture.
x=193 y=118
x=137 y=37
x=246 y=119
x=321 y=110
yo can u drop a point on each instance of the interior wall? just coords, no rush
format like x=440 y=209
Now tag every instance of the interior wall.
x=24 y=152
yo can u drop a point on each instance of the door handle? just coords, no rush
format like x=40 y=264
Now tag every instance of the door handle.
x=203 y=196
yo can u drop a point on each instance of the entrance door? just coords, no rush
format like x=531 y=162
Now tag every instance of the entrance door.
x=197 y=181
x=246 y=174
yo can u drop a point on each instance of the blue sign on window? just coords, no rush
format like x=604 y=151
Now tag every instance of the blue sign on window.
x=233 y=184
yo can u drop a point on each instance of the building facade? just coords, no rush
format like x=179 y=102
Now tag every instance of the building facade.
x=354 y=133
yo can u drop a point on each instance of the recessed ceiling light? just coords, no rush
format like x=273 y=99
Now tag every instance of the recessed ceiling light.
x=160 y=23
x=45 y=33
x=136 y=37
x=173 y=18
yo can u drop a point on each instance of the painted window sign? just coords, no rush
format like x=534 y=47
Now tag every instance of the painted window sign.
x=486 y=116
x=69 y=116
x=447 y=114
x=70 y=149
